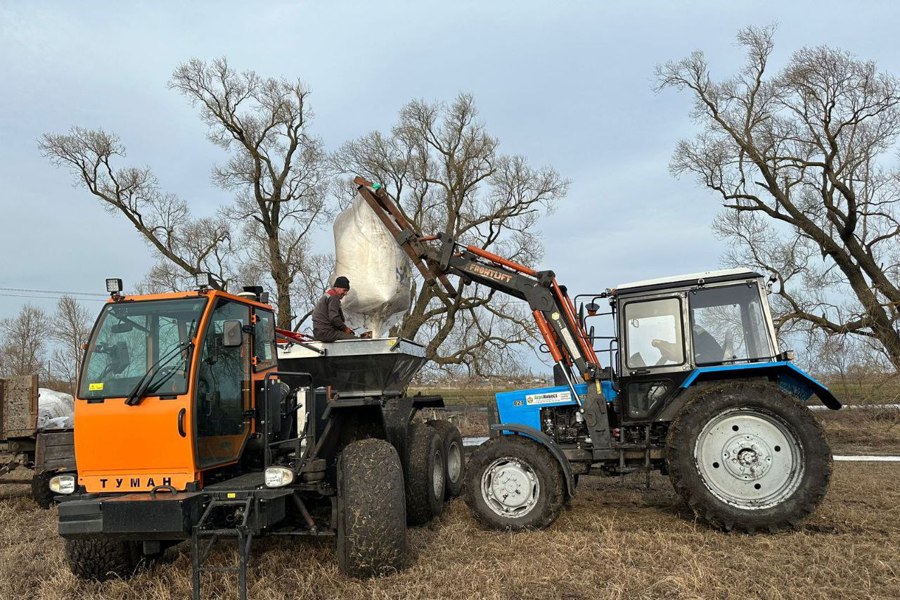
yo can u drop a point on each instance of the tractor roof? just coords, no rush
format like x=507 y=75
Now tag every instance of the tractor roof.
x=684 y=280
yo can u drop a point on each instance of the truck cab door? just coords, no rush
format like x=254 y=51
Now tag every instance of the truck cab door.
x=223 y=388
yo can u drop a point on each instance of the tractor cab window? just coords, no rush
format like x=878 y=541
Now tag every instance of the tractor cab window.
x=132 y=337
x=264 y=342
x=653 y=333
x=223 y=387
x=728 y=325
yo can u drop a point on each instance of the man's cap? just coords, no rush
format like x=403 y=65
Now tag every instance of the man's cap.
x=342 y=282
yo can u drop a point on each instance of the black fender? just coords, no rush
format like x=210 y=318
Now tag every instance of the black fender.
x=545 y=440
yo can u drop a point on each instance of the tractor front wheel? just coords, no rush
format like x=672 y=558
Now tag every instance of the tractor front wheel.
x=748 y=456
x=514 y=483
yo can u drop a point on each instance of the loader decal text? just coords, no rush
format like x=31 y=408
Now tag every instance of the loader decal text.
x=489 y=273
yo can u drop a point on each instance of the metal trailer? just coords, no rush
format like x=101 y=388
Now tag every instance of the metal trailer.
x=695 y=386
x=320 y=442
x=48 y=452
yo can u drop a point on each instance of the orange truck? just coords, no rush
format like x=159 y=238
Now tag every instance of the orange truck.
x=195 y=419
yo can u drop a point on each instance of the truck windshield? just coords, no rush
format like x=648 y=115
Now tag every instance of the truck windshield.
x=130 y=337
x=728 y=325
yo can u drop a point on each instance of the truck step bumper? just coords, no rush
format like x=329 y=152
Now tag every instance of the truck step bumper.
x=132 y=516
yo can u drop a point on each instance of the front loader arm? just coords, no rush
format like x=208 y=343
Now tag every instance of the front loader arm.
x=551 y=307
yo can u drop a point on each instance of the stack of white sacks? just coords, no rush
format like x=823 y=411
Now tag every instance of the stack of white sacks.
x=55 y=409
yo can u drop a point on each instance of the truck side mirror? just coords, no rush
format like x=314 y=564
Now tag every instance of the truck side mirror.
x=232 y=334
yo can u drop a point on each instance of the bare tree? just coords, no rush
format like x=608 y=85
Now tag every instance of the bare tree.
x=276 y=168
x=800 y=160
x=70 y=327
x=448 y=176
x=165 y=221
x=24 y=344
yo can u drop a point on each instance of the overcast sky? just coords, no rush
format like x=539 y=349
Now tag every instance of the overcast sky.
x=566 y=84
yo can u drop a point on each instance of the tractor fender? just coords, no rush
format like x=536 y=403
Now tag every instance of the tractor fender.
x=790 y=377
x=546 y=441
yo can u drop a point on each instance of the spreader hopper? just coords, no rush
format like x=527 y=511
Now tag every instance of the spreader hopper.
x=353 y=368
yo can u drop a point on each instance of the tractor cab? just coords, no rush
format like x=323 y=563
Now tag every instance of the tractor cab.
x=673 y=328
x=679 y=323
x=167 y=388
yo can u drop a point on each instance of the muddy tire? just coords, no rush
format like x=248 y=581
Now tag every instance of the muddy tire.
x=40 y=489
x=454 y=458
x=101 y=559
x=513 y=483
x=371 y=536
x=424 y=474
x=748 y=456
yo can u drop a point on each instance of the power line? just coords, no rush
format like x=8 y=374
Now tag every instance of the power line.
x=5 y=289
x=49 y=297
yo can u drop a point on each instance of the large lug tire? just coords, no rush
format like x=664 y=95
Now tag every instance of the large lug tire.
x=424 y=474
x=371 y=532
x=454 y=458
x=40 y=489
x=748 y=456
x=101 y=558
x=514 y=483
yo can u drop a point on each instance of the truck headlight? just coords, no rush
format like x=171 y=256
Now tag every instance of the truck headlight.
x=62 y=484
x=278 y=477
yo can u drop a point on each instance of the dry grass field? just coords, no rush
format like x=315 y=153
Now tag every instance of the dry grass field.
x=619 y=539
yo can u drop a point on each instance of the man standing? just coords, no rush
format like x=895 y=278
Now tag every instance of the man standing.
x=327 y=316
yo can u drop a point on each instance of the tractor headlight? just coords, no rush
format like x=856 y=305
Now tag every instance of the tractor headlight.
x=63 y=484
x=278 y=477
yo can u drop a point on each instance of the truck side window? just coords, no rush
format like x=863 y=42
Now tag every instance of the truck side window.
x=264 y=348
x=653 y=333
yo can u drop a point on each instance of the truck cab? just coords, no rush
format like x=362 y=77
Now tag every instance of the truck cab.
x=166 y=392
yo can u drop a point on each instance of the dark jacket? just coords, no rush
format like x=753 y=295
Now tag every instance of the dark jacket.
x=328 y=319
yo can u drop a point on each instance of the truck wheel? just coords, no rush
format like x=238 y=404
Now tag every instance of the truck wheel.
x=424 y=474
x=40 y=489
x=371 y=532
x=748 y=456
x=454 y=462
x=514 y=483
x=101 y=559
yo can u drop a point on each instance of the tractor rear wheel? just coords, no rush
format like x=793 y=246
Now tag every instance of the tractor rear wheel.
x=424 y=474
x=514 y=483
x=371 y=533
x=454 y=460
x=102 y=558
x=748 y=456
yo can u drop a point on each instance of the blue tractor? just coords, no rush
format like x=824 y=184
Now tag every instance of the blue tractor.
x=697 y=388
